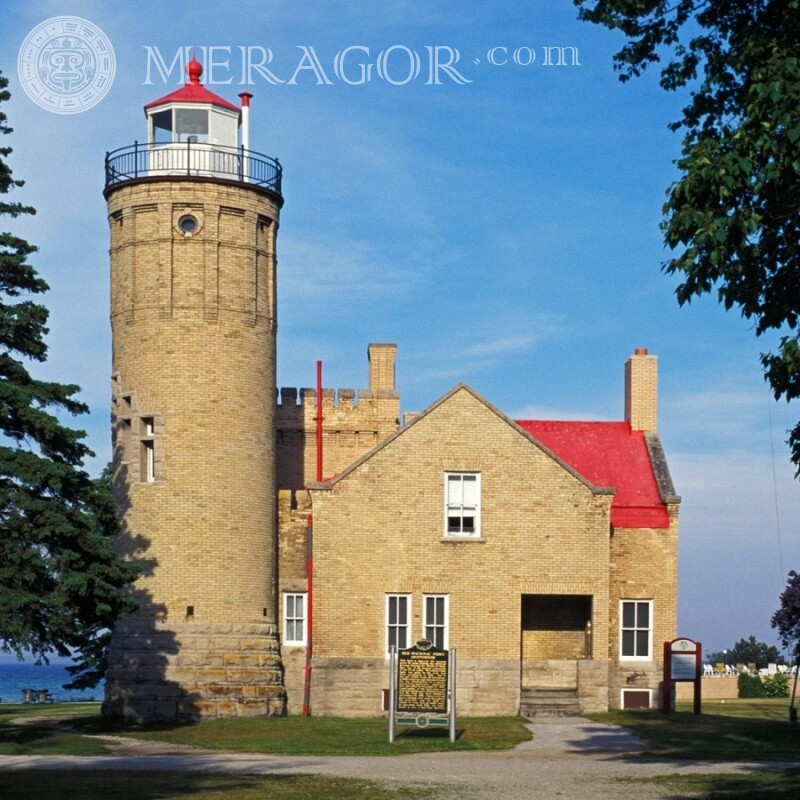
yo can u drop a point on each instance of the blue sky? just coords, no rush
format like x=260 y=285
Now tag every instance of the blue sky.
x=501 y=229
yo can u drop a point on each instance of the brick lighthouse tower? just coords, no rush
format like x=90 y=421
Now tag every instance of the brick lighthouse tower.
x=194 y=216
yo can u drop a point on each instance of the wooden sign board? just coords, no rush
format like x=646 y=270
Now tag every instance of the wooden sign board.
x=682 y=662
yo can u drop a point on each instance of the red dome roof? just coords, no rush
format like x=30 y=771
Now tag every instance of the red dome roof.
x=193 y=92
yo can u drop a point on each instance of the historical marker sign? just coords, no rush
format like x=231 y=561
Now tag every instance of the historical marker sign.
x=682 y=661
x=422 y=679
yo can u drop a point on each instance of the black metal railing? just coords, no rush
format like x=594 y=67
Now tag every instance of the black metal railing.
x=192 y=159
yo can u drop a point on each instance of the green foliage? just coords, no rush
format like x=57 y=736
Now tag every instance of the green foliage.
x=732 y=218
x=777 y=685
x=787 y=618
x=748 y=651
x=751 y=685
x=60 y=580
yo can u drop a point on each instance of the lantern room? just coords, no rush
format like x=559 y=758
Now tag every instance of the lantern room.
x=194 y=115
x=195 y=133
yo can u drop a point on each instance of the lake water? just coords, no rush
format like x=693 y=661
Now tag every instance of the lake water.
x=16 y=676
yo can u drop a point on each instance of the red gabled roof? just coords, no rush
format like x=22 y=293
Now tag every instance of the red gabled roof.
x=608 y=454
x=193 y=92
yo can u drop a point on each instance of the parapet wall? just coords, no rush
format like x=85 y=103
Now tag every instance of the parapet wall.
x=349 y=430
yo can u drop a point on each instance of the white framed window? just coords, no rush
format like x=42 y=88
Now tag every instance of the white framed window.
x=462 y=500
x=398 y=621
x=148 y=461
x=294 y=619
x=434 y=622
x=636 y=630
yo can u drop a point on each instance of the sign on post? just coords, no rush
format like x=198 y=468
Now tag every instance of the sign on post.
x=422 y=687
x=682 y=662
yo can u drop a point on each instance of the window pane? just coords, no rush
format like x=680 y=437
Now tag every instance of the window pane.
x=162 y=127
x=454 y=490
x=642 y=641
x=191 y=123
x=628 y=643
x=470 y=484
x=628 y=615
x=402 y=610
x=643 y=616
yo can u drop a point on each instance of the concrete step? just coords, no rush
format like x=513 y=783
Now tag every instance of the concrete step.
x=548 y=701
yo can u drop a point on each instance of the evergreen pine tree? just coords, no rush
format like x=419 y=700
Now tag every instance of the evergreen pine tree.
x=61 y=583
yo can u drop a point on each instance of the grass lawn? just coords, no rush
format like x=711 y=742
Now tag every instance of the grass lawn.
x=44 y=737
x=280 y=736
x=76 y=785
x=736 y=730
x=327 y=736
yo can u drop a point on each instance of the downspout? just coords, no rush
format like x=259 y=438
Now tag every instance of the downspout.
x=310 y=558
x=318 y=419
x=309 y=608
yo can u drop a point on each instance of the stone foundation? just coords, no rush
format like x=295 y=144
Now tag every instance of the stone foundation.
x=194 y=670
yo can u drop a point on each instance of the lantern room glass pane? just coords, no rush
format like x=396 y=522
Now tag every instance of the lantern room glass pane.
x=191 y=124
x=162 y=127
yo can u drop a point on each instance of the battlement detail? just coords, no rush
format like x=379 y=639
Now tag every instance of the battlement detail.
x=353 y=422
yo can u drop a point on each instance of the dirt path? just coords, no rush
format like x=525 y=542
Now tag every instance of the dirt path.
x=568 y=759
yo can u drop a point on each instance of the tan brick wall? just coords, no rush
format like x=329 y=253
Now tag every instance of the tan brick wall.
x=350 y=429
x=380 y=530
x=644 y=566
x=193 y=322
x=716 y=688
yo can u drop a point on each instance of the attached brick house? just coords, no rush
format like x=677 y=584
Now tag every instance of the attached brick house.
x=544 y=552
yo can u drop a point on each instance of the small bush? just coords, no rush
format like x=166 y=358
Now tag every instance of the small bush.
x=750 y=686
x=777 y=685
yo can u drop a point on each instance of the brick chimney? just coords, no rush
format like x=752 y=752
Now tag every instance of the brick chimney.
x=641 y=391
x=381 y=367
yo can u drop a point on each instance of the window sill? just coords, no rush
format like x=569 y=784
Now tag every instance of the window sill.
x=455 y=539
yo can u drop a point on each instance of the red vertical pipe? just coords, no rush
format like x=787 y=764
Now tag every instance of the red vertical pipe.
x=319 y=421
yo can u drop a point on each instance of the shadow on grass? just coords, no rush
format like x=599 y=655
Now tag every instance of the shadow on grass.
x=79 y=785
x=427 y=733
x=711 y=736
x=778 y=785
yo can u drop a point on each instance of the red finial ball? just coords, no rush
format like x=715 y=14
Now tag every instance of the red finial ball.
x=194 y=69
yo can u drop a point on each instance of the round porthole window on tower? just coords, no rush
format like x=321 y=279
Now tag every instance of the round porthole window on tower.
x=188 y=224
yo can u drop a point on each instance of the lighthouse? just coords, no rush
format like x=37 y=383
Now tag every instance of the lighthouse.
x=193 y=216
